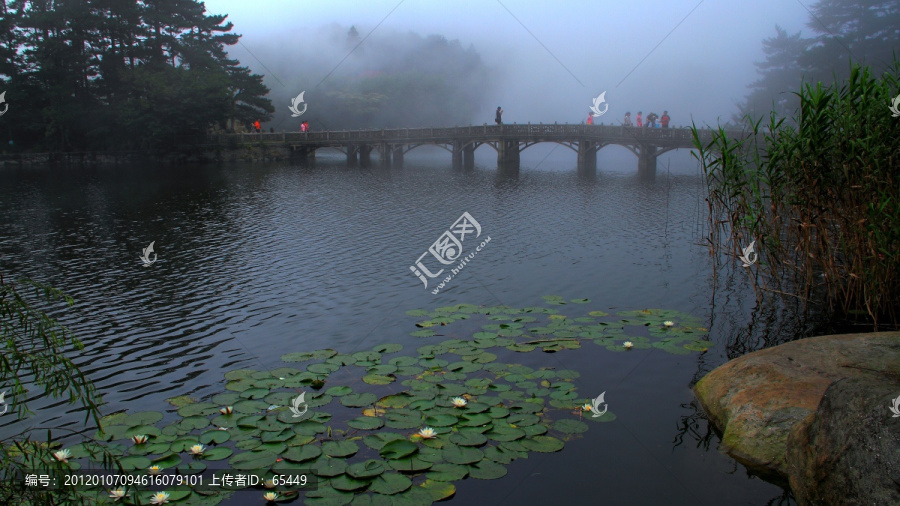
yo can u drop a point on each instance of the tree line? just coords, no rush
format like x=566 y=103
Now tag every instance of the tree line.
x=119 y=75
x=862 y=31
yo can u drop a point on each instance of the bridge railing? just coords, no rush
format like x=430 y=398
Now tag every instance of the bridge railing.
x=527 y=131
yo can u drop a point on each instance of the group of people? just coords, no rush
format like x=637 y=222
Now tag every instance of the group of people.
x=304 y=127
x=650 y=121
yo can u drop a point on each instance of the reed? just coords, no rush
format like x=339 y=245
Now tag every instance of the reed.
x=820 y=194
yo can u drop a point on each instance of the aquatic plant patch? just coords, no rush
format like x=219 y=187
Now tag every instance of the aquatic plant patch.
x=403 y=432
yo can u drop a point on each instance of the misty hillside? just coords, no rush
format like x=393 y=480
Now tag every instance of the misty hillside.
x=394 y=79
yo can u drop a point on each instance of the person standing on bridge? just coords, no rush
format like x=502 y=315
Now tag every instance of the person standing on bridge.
x=665 y=119
x=590 y=120
x=627 y=121
x=640 y=121
x=498 y=119
x=257 y=126
x=303 y=126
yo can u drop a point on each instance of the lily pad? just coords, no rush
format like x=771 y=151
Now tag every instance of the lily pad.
x=253 y=460
x=461 y=455
x=390 y=484
x=339 y=448
x=302 y=453
x=468 y=439
x=487 y=470
x=398 y=449
x=329 y=467
x=412 y=464
x=378 y=379
x=568 y=426
x=367 y=469
x=440 y=421
x=358 y=400
x=438 y=490
x=366 y=423
x=214 y=437
x=543 y=444
x=346 y=483
x=447 y=472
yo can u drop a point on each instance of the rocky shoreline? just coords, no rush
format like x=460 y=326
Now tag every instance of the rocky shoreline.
x=815 y=414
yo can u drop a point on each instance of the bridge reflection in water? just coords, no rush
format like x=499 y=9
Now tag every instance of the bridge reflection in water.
x=507 y=140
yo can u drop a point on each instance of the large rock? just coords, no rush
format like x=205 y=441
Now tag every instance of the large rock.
x=757 y=399
x=849 y=453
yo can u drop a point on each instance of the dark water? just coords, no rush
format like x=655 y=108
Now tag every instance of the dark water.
x=258 y=260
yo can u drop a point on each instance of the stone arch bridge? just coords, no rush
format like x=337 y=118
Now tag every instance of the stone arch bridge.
x=508 y=141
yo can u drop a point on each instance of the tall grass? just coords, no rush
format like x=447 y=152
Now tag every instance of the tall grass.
x=820 y=194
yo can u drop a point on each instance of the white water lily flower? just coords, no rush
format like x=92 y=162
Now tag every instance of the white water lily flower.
x=586 y=407
x=159 y=498
x=669 y=323
x=227 y=410
x=117 y=494
x=270 y=483
x=62 y=455
x=627 y=344
x=154 y=469
x=270 y=496
x=459 y=402
x=197 y=449
x=139 y=439
x=427 y=433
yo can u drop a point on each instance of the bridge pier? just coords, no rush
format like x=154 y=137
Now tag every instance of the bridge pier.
x=463 y=155
x=304 y=156
x=469 y=156
x=508 y=156
x=365 y=155
x=587 y=157
x=398 y=155
x=647 y=160
x=384 y=152
x=351 y=156
x=457 y=155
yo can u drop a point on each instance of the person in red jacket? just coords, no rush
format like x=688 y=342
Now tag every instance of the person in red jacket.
x=590 y=120
x=664 y=120
x=639 y=120
x=257 y=126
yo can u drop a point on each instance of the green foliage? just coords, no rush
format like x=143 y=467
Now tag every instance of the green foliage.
x=114 y=75
x=821 y=198
x=34 y=349
x=842 y=31
x=34 y=352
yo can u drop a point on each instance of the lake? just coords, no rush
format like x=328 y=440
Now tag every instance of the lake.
x=256 y=261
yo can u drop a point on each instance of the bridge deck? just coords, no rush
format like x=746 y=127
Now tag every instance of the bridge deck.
x=602 y=134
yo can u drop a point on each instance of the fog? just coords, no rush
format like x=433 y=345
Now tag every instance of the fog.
x=545 y=61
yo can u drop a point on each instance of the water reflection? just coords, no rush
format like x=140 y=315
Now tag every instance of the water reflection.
x=257 y=260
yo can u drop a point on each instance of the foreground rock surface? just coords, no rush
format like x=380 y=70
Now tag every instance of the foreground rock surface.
x=757 y=400
x=849 y=453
